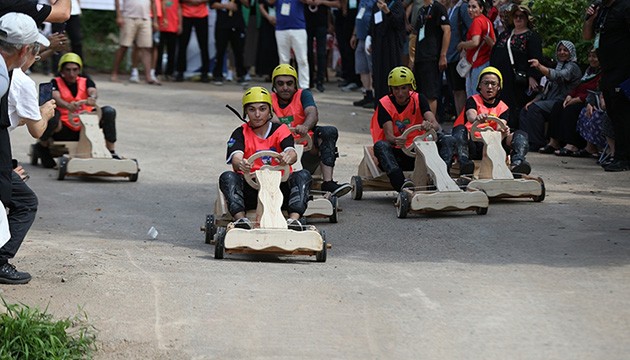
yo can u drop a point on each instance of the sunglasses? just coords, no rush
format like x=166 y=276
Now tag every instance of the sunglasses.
x=520 y=16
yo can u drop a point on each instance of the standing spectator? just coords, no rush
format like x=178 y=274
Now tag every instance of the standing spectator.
x=433 y=33
x=561 y=81
x=609 y=25
x=267 y=53
x=194 y=14
x=134 y=21
x=72 y=27
x=317 y=17
x=20 y=42
x=363 y=60
x=479 y=42
x=519 y=78
x=229 y=28
x=412 y=9
x=170 y=29
x=385 y=42
x=291 y=35
x=460 y=23
x=344 y=24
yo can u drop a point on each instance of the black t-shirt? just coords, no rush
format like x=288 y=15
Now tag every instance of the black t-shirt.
x=39 y=12
x=383 y=115
x=613 y=26
x=74 y=87
x=431 y=18
x=472 y=105
x=316 y=18
x=225 y=21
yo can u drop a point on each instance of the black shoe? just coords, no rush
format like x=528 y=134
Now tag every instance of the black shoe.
x=43 y=153
x=179 y=77
x=520 y=167
x=204 y=78
x=369 y=105
x=361 y=102
x=9 y=275
x=243 y=223
x=294 y=225
x=335 y=189
x=114 y=155
x=320 y=87
x=466 y=168
x=618 y=165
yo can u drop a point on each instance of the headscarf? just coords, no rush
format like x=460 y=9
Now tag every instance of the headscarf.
x=569 y=45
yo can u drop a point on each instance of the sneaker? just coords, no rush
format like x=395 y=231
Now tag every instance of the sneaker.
x=320 y=88
x=520 y=167
x=349 y=87
x=114 y=155
x=43 y=153
x=247 y=77
x=242 y=82
x=294 y=224
x=335 y=189
x=243 y=223
x=369 y=105
x=361 y=102
x=229 y=76
x=408 y=184
x=10 y=275
x=204 y=78
x=617 y=165
x=218 y=82
x=135 y=77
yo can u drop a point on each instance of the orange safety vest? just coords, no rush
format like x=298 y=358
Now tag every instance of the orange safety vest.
x=254 y=144
x=482 y=109
x=411 y=115
x=66 y=95
x=292 y=115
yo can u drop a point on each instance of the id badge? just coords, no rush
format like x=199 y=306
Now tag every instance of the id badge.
x=285 y=9
x=272 y=12
x=361 y=13
x=596 y=42
x=421 y=34
x=352 y=4
x=378 y=18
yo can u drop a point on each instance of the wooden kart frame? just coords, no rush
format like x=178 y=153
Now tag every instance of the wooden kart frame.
x=494 y=176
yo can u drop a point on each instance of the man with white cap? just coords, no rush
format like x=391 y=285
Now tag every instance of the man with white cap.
x=20 y=41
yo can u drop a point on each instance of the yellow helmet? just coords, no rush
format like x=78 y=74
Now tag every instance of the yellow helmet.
x=401 y=75
x=283 y=69
x=491 y=70
x=257 y=94
x=70 y=58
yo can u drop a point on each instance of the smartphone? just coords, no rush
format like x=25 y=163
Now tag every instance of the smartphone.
x=45 y=92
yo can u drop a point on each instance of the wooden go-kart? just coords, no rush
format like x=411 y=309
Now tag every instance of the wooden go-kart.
x=493 y=175
x=270 y=234
x=434 y=189
x=89 y=156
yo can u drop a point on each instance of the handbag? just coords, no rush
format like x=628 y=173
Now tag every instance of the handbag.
x=520 y=77
x=464 y=66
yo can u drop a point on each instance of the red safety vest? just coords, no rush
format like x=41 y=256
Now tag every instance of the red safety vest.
x=254 y=144
x=482 y=109
x=411 y=115
x=292 y=115
x=66 y=95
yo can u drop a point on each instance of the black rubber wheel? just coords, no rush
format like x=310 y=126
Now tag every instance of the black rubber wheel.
x=63 y=167
x=34 y=155
x=402 y=204
x=334 y=201
x=357 y=187
x=321 y=255
x=481 y=210
x=540 y=197
x=134 y=177
x=219 y=245
x=210 y=229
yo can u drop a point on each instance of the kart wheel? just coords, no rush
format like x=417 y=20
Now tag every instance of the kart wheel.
x=210 y=229
x=321 y=255
x=134 y=177
x=219 y=243
x=481 y=210
x=34 y=155
x=334 y=201
x=540 y=197
x=63 y=167
x=402 y=204
x=357 y=187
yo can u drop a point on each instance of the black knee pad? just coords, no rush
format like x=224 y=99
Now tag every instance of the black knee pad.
x=460 y=134
x=328 y=147
x=231 y=185
x=520 y=145
x=385 y=155
x=300 y=187
x=446 y=145
x=108 y=123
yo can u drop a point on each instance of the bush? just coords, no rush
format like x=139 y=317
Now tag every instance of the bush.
x=100 y=39
x=28 y=333
x=561 y=20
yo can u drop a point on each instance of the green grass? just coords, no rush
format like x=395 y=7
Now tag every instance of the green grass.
x=29 y=333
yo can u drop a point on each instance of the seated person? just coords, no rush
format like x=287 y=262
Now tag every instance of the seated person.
x=402 y=108
x=296 y=108
x=74 y=93
x=256 y=135
x=595 y=127
x=561 y=80
x=478 y=108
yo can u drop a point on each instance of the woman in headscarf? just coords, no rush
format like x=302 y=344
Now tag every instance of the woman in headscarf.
x=560 y=81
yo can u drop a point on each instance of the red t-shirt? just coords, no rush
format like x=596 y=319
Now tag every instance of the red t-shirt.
x=480 y=26
x=195 y=11
x=171 y=9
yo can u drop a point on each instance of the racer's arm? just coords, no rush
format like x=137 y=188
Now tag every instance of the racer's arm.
x=429 y=121
x=288 y=154
x=236 y=151
x=471 y=110
x=92 y=96
x=311 y=115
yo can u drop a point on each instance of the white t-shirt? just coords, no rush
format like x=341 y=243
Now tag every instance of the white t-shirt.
x=23 y=99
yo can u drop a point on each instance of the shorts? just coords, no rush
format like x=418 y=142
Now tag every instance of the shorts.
x=428 y=78
x=362 y=60
x=455 y=82
x=136 y=30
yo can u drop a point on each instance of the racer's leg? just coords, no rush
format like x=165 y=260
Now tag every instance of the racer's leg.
x=297 y=193
x=384 y=152
x=460 y=134
x=326 y=140
x=231 y=185
x=108 y=124
x=520 y=146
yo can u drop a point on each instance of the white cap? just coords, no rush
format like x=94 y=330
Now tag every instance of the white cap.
x=20 y=29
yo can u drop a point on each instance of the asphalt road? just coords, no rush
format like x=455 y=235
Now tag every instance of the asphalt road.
x=526 y=281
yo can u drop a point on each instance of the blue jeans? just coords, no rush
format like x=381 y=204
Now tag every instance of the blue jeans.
x=473 y=78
